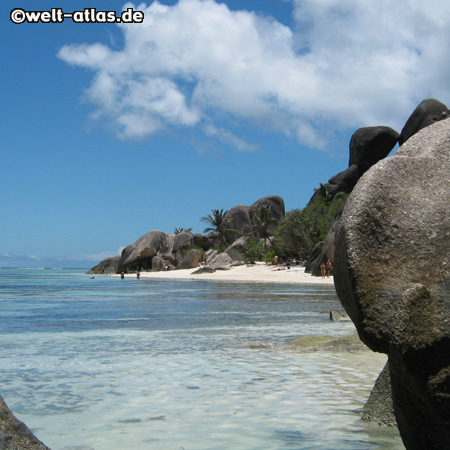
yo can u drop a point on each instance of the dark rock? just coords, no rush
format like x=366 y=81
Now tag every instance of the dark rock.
x=205 y=269
x=191 y=260
x=241 y=218
x=274 y=202
x=157 y=264
x=107 y=266
x=14 y=434
x=379 y=408
x=428 y=112
x=371 y=144
x=168 y=246
x=391 y=272
x=314 y=259
x=202 y=241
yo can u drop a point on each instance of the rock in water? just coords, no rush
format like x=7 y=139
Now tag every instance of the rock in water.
x=391 y=272
x=378 y=408
x=14 y=434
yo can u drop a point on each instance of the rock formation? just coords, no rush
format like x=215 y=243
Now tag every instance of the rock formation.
x=107 y=266
x=151 y=251
x=14 y=434
x=379 y=408
x=391 y=272
x=243 y=220
x=428 y=112
x=367 y=146
x=371 y=144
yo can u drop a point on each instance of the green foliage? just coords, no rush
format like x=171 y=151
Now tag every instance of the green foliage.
x=265 y=222
x=302 y=229
x=255 y=250
x=218 y=224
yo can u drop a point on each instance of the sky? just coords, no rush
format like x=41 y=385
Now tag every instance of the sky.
x=110 y=130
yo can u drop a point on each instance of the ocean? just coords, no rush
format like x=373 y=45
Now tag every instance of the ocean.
x=105 y=363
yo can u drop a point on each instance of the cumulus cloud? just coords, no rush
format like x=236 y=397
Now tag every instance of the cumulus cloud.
x=345 y=63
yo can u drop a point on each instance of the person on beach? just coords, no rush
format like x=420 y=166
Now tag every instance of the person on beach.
x=122 y=275
x=329 y=267
x=323 y=269
x=138 y=275
x=275 y=260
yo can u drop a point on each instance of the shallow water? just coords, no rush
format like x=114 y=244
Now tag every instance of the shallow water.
x=165 y=364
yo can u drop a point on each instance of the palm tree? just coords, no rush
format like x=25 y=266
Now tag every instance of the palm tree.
x=218 y=223
x=264 y=222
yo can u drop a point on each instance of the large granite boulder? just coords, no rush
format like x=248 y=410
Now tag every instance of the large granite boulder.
x=371 y=144
x=242 y=218
x=237 y=249
x=14 y=434
x=107 y=266
x=391 y=272
x=428 y=112
x=155 y=243
x=190 y=260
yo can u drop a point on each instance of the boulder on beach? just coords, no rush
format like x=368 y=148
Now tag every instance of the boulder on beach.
x=14 y=434
x=242 y=219
x=190 y=260
x=155 y=242
x=392 y=275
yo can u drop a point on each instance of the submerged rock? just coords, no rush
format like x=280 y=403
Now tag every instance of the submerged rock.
x=348 y=343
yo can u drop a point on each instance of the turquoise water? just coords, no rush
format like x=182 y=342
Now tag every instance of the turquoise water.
x=171 y=364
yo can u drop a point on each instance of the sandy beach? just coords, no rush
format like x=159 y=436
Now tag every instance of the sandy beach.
x=259 y=272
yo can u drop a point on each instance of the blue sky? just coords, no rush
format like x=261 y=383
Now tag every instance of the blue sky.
x=110 y=131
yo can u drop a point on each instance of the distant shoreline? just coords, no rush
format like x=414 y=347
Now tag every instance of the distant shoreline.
x=258 y=273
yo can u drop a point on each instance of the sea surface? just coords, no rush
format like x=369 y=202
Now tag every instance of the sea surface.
x=106 y=363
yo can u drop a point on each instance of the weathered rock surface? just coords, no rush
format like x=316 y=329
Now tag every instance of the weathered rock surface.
x=190 y=260
x=348 y=343
x=236 y=250
x=107 y=266
x=14 y=434
x=242 y=218
x=168 y=246
x=379 y=408
x=427 y=113
x=391 y=272
x=371 y=144
x=220 y=259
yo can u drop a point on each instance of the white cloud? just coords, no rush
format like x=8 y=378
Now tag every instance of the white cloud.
x=346 y=64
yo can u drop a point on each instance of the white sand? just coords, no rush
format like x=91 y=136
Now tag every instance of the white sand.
x=259 y=272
